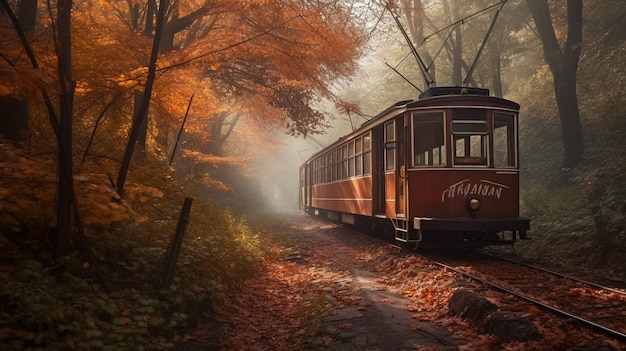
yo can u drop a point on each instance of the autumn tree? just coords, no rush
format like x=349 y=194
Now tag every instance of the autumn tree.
x=61 y=120
x=563 y=63
x=272 y=75
x=254 y=67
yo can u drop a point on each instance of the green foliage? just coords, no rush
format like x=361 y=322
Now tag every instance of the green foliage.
x=110 y=300
x=313 y=314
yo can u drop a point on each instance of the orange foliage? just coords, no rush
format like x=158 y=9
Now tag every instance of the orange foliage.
x=252 y=66
x=265 y=60
x=27 y=183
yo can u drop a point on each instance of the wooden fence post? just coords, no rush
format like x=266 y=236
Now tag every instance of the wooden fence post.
x=177 y=240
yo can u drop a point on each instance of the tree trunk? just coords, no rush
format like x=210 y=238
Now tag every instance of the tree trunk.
x=67 y=86
x=415 y=18
x=151 y=8
x=143 y=128
x=27 y=14
x=142 y=114
x=15 y=120
x=14 y=123
x=133 y=9
x=61 y=126
x=496 y=66
x=176 y=24
x=218 y=136
x=563 y=65
x=167 y=41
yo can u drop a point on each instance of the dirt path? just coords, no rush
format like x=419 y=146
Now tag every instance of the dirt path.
x=380 y=319
x=321 y=294
x=328 y=288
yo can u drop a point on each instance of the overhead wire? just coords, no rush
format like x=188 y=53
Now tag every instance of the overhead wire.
x=451 y=27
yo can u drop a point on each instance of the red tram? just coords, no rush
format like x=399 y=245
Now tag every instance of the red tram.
x=441 y=171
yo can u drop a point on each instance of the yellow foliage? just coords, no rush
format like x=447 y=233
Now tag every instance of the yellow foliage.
x=142 y=189
x=139 y=72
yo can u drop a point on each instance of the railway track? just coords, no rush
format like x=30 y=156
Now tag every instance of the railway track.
x=591 y=305
x=588 y=305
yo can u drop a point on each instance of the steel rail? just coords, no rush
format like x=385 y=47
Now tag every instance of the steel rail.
x=605 y=330
x=615 y=334
x=557 y=274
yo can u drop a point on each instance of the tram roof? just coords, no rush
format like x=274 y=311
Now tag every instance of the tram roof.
x=435 y=96
x=443 y=96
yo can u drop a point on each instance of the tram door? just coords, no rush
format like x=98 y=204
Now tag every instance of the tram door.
x=401 y=174
x=378 y=170
x=305 y=199
x=394 y=168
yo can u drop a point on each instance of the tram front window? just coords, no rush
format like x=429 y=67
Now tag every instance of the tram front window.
x=428 y=139
x=504 y=147
x=470 y=142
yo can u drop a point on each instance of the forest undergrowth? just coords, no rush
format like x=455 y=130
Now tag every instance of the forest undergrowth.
x=578 y=215
x=110 y=296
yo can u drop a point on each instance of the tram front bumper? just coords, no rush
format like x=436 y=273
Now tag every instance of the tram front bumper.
x=426 y=224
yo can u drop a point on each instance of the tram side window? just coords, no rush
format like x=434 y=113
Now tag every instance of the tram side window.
x=339 y=163
x=344 y=163
x=470 y=142
x=331 y=164
x=504 y=140
x=320 y=170
x=358 y=158
x=428 y=139
x=324 y=168
x=367 y=154
x=351 y=159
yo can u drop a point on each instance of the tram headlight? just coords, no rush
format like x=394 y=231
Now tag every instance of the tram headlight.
x=473 y=204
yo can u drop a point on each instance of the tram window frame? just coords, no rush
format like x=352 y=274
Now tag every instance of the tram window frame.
x=327 y=162
x=470 y=142
x=344 y=161
x=351 y=170
x=504 y=127
x=428 y=148
x=333 y=156
x=358 y=156
x=390 y=146
x=324 y=168
x=338 y=163
x=367 y=154
x=319 y=171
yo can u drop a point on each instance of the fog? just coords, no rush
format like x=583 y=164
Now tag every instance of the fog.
x=278 y=173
